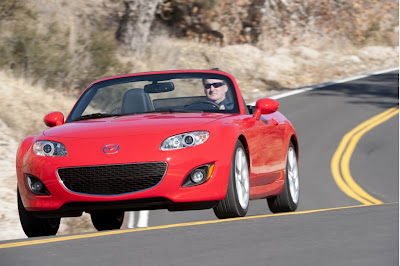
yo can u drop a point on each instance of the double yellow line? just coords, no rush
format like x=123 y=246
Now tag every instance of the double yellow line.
x=340 y=164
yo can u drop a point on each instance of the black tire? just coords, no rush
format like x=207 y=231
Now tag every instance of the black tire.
x=230 y=207
x=107 y=220
x=34 y=226
x=284 y=202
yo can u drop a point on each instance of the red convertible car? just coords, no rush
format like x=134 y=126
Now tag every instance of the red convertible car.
x=176 y=140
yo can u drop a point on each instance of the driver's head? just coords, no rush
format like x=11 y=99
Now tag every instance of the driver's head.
x=215 y=89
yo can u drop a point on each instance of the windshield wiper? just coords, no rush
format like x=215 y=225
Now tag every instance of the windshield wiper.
x=95 y=115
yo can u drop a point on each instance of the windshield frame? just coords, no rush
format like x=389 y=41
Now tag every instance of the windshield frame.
x=91 y=91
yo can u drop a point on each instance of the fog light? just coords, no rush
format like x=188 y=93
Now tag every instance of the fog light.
x=198 y=175
x=36 y=185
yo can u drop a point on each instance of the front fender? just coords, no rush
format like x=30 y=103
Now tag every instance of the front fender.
x=226 y=136
x=22 y=150
x=290 y=134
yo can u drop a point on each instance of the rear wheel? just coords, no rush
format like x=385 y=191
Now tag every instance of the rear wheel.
x=107 y=220
x=288 y=200
x=237 y=197
x=34 y=226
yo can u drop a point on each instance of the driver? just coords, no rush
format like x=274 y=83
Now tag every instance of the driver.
x=215 y=90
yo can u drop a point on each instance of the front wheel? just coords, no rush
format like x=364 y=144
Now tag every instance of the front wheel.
x=107 y=220
x=288 y=200
x=236 y=202
x=34 y=226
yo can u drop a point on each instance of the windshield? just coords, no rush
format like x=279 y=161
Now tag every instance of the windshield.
x=177 y=92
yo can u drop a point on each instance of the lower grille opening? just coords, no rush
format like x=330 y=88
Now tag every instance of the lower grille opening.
x=112 y=179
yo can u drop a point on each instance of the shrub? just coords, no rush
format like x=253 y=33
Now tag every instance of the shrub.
x=45 y=56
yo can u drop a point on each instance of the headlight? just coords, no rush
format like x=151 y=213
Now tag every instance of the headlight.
x=184 y=140
x=49 y=148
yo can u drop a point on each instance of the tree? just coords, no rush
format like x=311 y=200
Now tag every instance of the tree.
x=134 y=26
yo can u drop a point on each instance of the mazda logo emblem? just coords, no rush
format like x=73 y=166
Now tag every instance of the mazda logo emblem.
x=111 y=149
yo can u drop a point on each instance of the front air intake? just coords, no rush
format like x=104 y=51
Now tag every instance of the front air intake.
x=112 y=179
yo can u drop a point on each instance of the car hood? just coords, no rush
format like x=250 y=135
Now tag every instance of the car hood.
x=141 y=124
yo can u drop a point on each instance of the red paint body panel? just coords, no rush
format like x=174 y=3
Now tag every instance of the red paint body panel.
x=139 y=137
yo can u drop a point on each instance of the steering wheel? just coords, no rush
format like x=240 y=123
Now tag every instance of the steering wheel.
x=202 y=102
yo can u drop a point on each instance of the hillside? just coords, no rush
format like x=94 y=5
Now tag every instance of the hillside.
x=47 y=57
x=65 y=45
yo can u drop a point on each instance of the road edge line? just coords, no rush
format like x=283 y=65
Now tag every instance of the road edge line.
x=322 y=85
x=124 y=231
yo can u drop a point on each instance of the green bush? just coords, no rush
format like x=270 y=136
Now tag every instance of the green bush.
x=32 y=54
x=44 y=56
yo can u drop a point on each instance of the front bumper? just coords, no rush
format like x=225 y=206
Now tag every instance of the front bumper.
x=168 y=193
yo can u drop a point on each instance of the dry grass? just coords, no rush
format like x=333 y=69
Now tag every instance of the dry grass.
x=25 y=105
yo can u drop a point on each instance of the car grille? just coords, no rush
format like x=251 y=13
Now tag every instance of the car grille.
x=112 y=179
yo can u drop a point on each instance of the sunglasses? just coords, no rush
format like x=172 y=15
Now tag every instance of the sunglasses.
x=215 y=85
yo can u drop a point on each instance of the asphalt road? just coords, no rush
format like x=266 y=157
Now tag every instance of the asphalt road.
x=326 y=230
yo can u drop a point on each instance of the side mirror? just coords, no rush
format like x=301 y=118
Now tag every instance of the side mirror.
x=54 y=119
x=265 y=106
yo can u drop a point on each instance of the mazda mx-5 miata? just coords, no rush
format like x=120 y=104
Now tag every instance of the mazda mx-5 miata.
x=176 y=140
